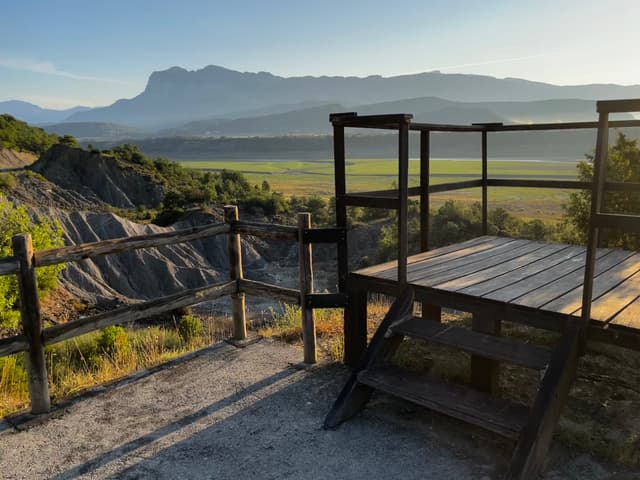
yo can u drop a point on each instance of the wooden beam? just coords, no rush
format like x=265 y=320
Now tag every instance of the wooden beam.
x=305 y=257
x=485 y=373
x=15 y=344
x=534 y=441
x=403 y=206
x=447 y=187
x=9 y=266
x=355 y=326
x=425 y=164
x=266 y=230
x=32 y=325
x=137 y=311
x=485 y=167
x=266 y=290
x=234 y=247
x=74 y=253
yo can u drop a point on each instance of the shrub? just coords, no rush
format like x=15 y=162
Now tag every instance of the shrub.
x=190 y=328
x=7 y=181
x=113 y=341
x=15 y=220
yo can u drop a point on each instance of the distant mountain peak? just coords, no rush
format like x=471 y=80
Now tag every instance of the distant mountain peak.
x=176 y=96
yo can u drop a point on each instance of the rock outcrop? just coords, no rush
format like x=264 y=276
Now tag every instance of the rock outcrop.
x=98 y=177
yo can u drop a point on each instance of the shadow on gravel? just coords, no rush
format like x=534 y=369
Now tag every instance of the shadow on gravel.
x=278 y=434
x=183 y=422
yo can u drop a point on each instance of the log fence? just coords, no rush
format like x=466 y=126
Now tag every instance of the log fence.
x=36 y=337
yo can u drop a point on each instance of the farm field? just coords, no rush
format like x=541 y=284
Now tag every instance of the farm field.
x=316 y=177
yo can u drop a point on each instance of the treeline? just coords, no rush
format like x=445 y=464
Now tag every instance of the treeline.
x=194 y=189
x=20 y=136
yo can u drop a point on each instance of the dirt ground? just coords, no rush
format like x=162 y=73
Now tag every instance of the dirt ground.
x=254 y=413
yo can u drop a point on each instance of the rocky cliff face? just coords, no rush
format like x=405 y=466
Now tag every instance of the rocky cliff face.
x=98 y=177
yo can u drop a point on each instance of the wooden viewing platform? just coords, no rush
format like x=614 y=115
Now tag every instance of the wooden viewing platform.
x=534 y=282
x=584 y=292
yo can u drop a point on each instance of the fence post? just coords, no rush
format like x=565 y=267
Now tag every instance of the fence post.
x=235 y=273
x=306 y=286
x=32 y=325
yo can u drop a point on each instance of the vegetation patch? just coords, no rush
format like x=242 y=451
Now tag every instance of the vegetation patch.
x=103 y=356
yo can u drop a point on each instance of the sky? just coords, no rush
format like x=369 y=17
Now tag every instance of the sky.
x=61 y=53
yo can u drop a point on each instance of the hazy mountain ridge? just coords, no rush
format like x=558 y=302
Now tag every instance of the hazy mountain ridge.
x=34 y=114
x=177 y=96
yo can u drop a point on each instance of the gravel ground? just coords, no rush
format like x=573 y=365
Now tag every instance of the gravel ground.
x=254 y=413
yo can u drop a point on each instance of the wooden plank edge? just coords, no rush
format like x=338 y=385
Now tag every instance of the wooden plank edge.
x=266 y=290
x=74 y=253
x=137 y=311
x=14 y=344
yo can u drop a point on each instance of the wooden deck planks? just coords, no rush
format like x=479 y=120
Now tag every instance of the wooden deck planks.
x=525 y=285
x=481 y=263
x=549 y=292
x=507 y=267
x=465 y=255
x=375 y=270
x=528 y=271
x=629 y=317
x=525 y=273
x=571 y=302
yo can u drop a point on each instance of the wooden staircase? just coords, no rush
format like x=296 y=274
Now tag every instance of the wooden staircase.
x=531 y=427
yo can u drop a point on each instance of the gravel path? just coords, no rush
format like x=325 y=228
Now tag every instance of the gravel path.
x=252 y=413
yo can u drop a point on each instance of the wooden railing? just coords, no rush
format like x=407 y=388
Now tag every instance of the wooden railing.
x=35 y=337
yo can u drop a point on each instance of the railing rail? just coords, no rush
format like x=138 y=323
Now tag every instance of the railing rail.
x=35 y=337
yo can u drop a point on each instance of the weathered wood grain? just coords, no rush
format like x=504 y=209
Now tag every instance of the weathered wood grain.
x=234 y=247
x=75 y=253
x=265 y=230
x=137 y=311
x=9 y=266
x=305 y=261
x=32 y=325
x=15 y=344
x=266 y=290
x=505 y=268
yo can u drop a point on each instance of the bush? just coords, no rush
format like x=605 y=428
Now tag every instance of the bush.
x=190 y=328
x=114 y=341
x=45 y=234
x=8 y=181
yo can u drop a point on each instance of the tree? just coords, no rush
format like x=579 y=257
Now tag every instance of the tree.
x=45 y=234
x=623 y=165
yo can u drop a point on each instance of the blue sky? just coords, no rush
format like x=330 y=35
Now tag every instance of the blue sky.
x=68 y=52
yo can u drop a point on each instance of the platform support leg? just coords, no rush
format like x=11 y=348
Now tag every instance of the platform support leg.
x=355 y=327
x=485 y=373
x=431 y=312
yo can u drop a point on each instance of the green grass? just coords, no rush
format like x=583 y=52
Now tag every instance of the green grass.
x=316 y=177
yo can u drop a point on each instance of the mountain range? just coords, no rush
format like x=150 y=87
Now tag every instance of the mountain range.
x=216 y=101
x=34 y=114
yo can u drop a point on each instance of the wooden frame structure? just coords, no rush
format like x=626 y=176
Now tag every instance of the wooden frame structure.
x=458 y=276
x=35 y=337
x=397 y=199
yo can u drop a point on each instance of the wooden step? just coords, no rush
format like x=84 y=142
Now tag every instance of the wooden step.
x=489 y=346
x=499 y=416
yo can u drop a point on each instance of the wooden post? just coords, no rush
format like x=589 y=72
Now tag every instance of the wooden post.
x=355 y=330
x=424 y=188
x=429 y=311
x=306 y=286
x=235 y=273
x=32 y=325
x=485 y=168
x=485 y=373
x=403 y=192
